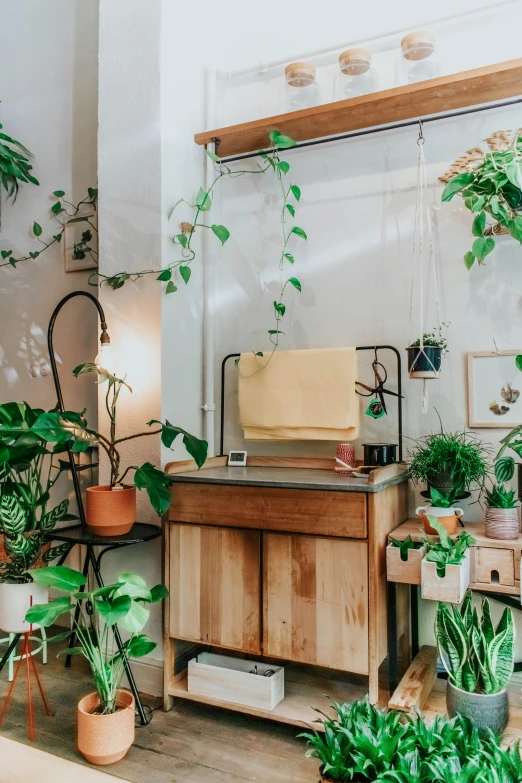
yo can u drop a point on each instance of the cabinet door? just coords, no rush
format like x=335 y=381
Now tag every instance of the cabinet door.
x=315 y=600
x=215 y=586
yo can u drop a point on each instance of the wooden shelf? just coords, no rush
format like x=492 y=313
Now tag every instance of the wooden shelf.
x=303 y=691
x=447 y=93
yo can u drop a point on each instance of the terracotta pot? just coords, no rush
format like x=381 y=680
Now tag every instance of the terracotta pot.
x=15 y=601
x=448 y=518
x=502 y=523
x=111 y=512
x=486 y=710
x=105 y=739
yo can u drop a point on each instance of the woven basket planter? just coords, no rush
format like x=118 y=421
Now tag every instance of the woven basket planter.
x=502 y=523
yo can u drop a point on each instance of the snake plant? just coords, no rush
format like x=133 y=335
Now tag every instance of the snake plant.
x=478 y=657
x=28 y=473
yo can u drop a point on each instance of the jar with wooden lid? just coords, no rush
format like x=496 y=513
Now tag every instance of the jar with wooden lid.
x=418 y=58
x=301 y=90
x=356 y=76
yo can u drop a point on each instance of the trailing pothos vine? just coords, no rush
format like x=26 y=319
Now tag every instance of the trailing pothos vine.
x=61 y=212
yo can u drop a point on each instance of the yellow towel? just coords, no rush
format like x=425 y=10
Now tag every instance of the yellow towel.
x=300 y=395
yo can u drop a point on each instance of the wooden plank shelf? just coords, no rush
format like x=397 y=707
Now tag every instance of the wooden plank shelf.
x=444 y=94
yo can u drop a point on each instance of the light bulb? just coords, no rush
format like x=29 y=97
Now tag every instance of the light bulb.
x=105 y=358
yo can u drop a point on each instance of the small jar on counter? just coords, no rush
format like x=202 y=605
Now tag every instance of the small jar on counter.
x=418 y=58
x=301 y=89
x=356 y=76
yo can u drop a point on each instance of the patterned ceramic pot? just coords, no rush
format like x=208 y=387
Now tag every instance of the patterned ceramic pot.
x=111 y=512
x=502 y=523
x=486 y=710
x=105 y=739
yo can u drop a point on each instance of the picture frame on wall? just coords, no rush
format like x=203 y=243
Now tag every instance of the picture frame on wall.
x=494 y=390
x=81 y=242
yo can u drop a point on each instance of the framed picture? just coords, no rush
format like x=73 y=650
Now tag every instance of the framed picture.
x=494 y=390
x=81 y=243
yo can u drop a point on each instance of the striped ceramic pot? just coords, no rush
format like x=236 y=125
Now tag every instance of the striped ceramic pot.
x=486 y=710
x=502 y=523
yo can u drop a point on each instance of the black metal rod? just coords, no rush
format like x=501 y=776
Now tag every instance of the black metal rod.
x=359 y=348
x=9 y=650
x=378 y=129
x=77 y=610
x=414 y=614
x=58 y=388
x=391 y=593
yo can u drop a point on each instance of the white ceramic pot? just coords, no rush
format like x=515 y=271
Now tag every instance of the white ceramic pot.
x=15 y=600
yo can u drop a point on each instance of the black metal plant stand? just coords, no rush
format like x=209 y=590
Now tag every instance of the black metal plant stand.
x=80 y=534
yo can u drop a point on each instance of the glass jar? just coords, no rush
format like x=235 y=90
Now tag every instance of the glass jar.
x=356 y=76
x=418 y=60
x=301 y=89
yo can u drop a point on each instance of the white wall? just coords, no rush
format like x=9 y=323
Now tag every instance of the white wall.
x=358 y=201
x=48 y=93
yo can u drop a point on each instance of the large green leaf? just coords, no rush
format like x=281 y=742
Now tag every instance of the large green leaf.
x=196 y=447
x=60 y=577
x=57 y=427
x=136 y=618
x=47 y=614
x=156 y=484
x=139 y=646
x=457 y=184
x=113 y=611
x=158 y=593
x=501 y=650
x=13 y=519
x=133 y=586
x=504 y=469
x=49 y=520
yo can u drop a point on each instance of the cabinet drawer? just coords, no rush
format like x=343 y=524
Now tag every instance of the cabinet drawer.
x=215 y=594
x=315 y=601
x=312 y=511
x=492 y=566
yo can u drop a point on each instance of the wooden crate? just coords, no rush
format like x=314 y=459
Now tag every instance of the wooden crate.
x=408 y=571
x=451 y=587
x=231 y=679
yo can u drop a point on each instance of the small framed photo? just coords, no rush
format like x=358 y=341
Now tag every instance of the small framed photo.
x=237 y=459
x=494 y=390
x=81 y=243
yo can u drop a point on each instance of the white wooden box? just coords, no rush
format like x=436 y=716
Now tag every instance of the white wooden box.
x=408 y=571
x=451 y=587
x=230 y=679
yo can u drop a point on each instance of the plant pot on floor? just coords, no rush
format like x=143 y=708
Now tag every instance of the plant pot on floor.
x=486 y=710
x=448 y=518
x=105 y=739
x=502 y=523
x=15 y=601
x=424 y=362
x=111 y=512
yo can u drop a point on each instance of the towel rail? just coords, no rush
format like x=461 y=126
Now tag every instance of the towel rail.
x=358 y=348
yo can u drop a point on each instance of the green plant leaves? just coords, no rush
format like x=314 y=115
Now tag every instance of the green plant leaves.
x=518 y=362
x=457 y=184
x=281 y=141
x=139 y=646
x=514 y=174
x=212 y=155
x=469 y=259
x=196 y=448
x=515 y=228
x=47 y=614
x=280 y=308
x=166 y=274
x=59 y=193
x=291 y=209
x=203 y=200
x=504 y=469
x=171 y=288
x=283 y=166
x=57 y=208
x=221 y=232
x=299 y=232
x=296 y=191
x=182 y=239
x=49 y=520
x=13 y=518
x=37 y=229
x=295 y=282
x=185 y=272
x=482 y=247
x=156 y=484
x=289 y=257
x=113 y=611
x=60 y=577
x=57 y=427
x=479 y=224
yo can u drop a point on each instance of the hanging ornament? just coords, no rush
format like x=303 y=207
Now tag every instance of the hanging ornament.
x=375 y=409
x=426 y=348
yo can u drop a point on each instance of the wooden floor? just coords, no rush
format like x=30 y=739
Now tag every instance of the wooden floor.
x=191 y=744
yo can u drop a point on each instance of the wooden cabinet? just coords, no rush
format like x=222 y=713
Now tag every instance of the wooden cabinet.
x=215 y=586
x=315 y=601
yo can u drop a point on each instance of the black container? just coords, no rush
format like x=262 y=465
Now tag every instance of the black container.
x=425 y=362
x=379 y=454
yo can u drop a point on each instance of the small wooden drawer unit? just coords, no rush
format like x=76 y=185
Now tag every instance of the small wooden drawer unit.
x=286 y=563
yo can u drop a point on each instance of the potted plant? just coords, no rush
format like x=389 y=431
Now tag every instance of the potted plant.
x=505 y=464
x=111 y=508
x=105 y=717
x=443 y=509
x=28 y=473
x=403 y=561
x=491 y=187
x=501 y=514
x=425 y=358
x=445 y=570
x=479 y=660
x=449 y=461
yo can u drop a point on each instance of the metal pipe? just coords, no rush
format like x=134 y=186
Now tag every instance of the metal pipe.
x=379 y=129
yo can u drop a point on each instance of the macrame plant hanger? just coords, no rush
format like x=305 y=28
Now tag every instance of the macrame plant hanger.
x=424 y=272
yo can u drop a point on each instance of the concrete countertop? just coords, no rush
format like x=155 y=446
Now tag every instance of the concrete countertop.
x=290 y=478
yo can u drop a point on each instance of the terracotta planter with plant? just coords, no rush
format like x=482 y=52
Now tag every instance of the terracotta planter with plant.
x=443 y=510
x=106 y=717
x=479 y=660
x=110 y=511
x=502 y=514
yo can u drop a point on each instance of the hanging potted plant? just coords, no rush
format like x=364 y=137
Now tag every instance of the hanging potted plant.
x=449 y=462
x=111 y=508
x=479 y=660
x=442 y=507
x=28 y=472
x=425 y=357
x=445 y=571
x=105 y=717
x=501 y=514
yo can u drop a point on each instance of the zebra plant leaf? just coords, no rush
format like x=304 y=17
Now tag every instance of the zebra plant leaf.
x=13 y=519
x=487 y=624
x=501 y=650
x=49 y=520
